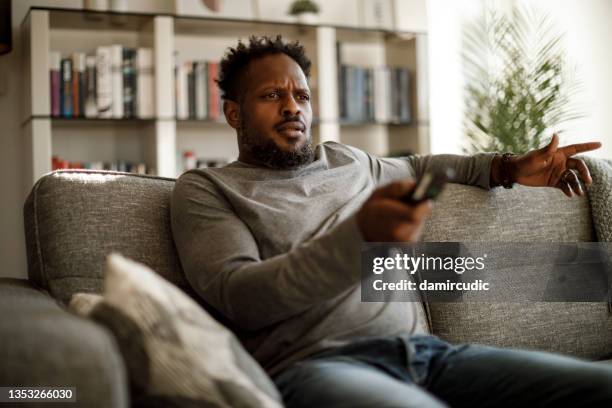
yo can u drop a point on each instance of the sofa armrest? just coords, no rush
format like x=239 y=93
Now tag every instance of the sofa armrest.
x=43 y=344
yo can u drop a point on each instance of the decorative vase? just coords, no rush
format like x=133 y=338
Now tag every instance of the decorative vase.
x=308 y=18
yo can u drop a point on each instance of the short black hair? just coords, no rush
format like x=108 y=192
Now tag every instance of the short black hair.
x=237 y=59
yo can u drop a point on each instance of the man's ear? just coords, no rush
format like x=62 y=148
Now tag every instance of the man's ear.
x=231 y=110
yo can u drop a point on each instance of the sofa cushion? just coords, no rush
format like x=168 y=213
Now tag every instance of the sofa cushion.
x=521 y=214
x=74 y=218
x=176 y=354
x=43 y=345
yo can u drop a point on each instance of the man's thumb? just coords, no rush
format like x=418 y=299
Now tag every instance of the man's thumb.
x=552 y=146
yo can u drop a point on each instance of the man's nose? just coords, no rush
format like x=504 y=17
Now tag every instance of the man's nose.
x=290 y=106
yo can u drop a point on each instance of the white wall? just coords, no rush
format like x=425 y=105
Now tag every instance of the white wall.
x=588 y=24
x=588 y=36
x=445 y=19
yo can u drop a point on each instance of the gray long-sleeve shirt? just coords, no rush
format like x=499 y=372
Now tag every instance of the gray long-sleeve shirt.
x=277 y=252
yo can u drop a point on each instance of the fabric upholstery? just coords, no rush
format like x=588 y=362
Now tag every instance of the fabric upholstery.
x=45 y=345
x=521 y=214
x=69 y=230
x=73 y=219
x=600 y=196
x=176 y=354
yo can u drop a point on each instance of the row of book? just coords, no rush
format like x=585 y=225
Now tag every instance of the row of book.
x=380 y=95
x=197 y=93
x=118 y=165
x=190 y=161
x=113 y=82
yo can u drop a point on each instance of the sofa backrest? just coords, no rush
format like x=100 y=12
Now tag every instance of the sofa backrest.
x=524 y=215
x=74 y=218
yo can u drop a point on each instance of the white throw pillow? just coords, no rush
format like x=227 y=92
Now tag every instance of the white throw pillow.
x=175 y=352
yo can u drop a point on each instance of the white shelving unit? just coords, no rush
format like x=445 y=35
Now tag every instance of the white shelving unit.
x=160 y=141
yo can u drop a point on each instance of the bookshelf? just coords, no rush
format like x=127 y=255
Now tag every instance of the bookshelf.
x=159 y=141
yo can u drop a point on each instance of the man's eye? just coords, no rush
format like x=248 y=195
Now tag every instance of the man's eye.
x=272 y=95
x=304 y=97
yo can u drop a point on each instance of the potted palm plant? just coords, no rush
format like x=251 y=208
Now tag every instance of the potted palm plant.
x=305 y=11
x=519 y=88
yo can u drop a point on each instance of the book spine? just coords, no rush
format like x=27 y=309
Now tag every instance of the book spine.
x=395 y=89
x=104 y=85
x=343 y=92
x=191 y=89
x=355 y=95
x=181 y=92
x=360 y=91
x=66 y=86
x=144 y=86
x=381 y=95
x=90 y=108
x=370 y=95
x=406 y=116
x=366 y=93
x=200 y=89
x=213 y=91
x=388 y=95
x=82 y=83
x=78 y=68
x=129 y=82
x=117 y=81
x=55 y=64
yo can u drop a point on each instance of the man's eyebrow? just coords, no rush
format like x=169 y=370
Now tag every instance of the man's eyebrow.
x=264 y=87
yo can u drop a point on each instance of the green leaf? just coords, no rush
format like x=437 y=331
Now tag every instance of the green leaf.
x=518 y=85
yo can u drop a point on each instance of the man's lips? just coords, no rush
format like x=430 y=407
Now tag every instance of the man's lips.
x=294 y=125
x=293 y=129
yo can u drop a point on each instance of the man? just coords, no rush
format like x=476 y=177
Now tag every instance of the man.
x=272 y=242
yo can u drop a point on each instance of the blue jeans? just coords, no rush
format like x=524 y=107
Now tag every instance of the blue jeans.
x=424 y=371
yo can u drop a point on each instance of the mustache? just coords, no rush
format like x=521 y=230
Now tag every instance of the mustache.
x=290 y=119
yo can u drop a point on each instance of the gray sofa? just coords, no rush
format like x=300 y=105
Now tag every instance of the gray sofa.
x=74 y=218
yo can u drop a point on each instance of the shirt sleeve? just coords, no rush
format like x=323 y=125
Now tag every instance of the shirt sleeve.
x=473 y=170
x=221 y=260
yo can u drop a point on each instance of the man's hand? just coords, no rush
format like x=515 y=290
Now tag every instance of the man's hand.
x=548 y=167
x=384 y=218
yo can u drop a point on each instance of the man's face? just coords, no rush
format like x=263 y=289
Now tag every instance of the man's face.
x=275 y=114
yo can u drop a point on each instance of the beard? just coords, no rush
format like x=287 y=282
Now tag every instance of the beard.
x=269 y=154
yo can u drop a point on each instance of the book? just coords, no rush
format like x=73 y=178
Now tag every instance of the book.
x=116 y=61
x=145 y=106
x=129 y=82
x=55 y=60
x=396 y=99
x=342 y=91
x=201 y=90
x=359 y=99
x=90 y=107
x=104 y=85
x=190 y=89
x=78 y=83
x=181 y=92
x=404 y=89
x=368 y=95
x=66 y=100
x=381 y=94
